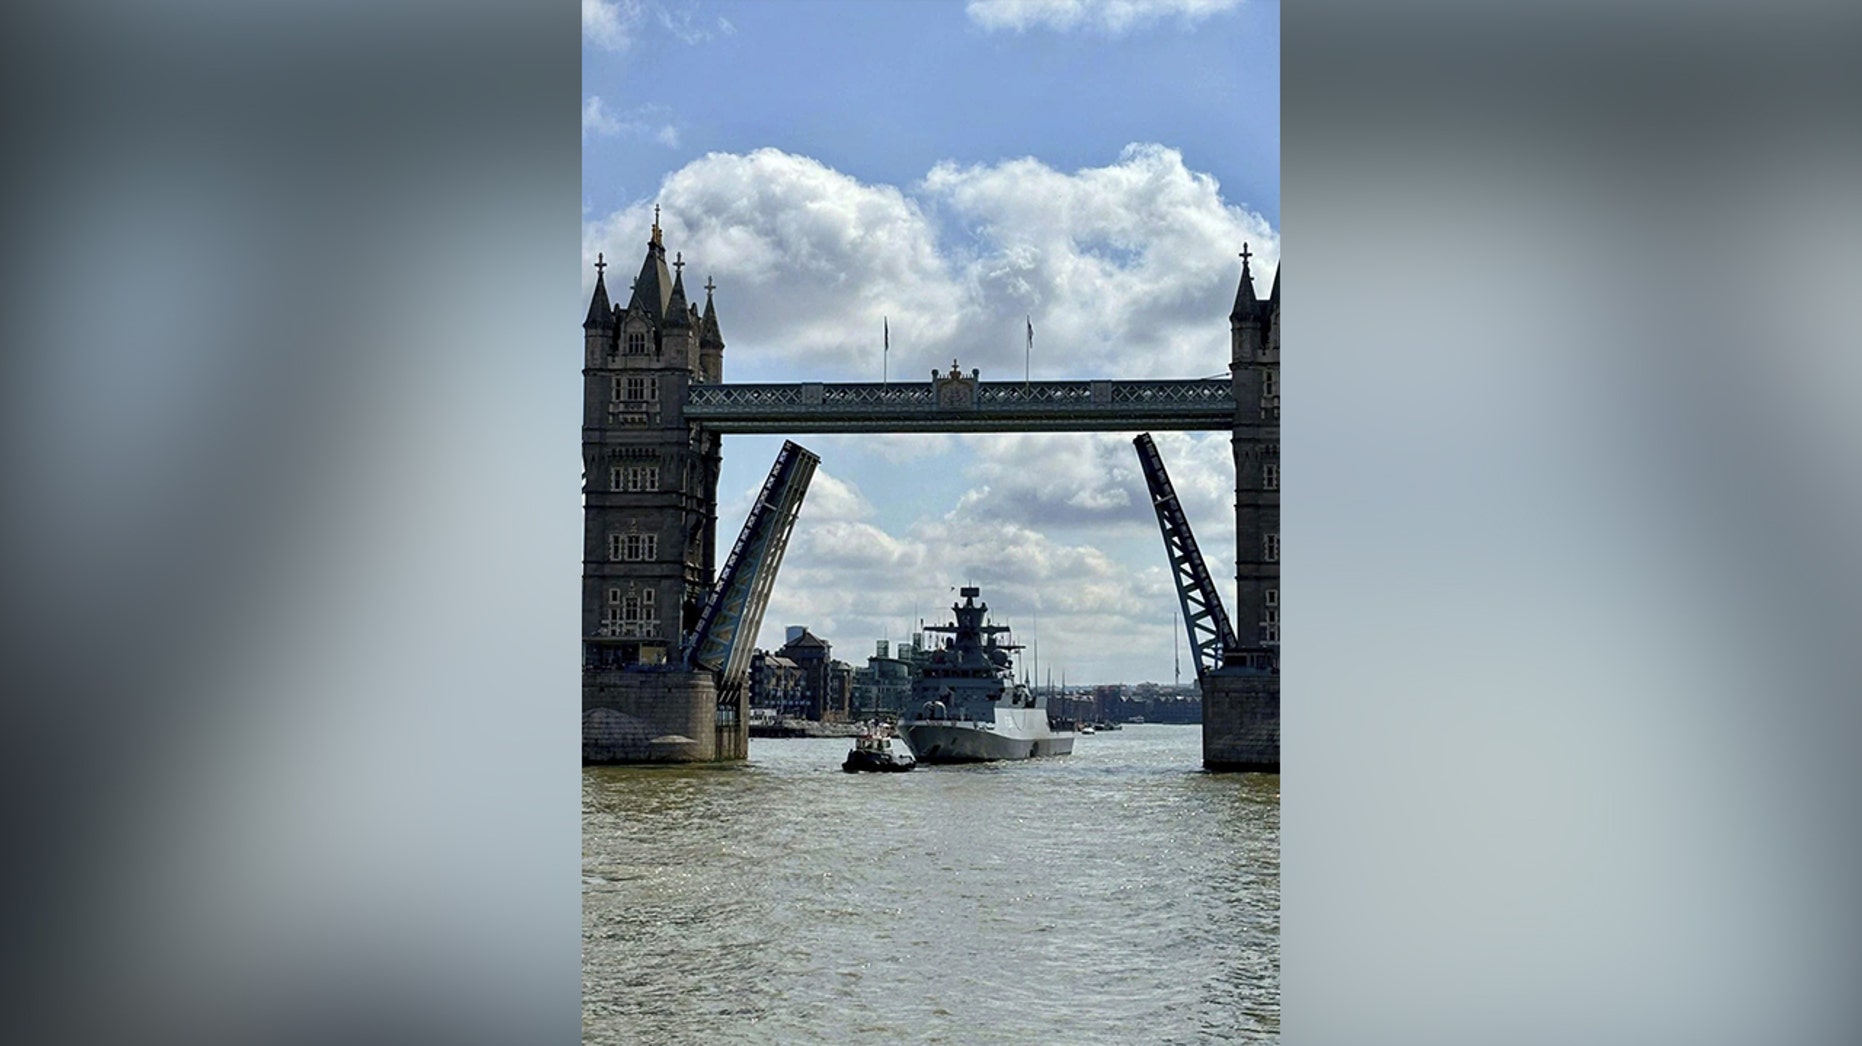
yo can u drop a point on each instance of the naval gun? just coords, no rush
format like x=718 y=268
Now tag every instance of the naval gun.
x=727 y=625
x=1212 y=638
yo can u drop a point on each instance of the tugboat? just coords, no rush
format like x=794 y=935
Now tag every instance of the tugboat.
x=968 y=706
x=873 y=751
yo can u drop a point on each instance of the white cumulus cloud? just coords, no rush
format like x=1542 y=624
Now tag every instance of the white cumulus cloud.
x=1091 y=482
x=811 y=261
x=1126 y=270
x=610 y=24
x=1108 y=16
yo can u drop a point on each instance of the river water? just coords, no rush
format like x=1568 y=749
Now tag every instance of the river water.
x=1119 y=894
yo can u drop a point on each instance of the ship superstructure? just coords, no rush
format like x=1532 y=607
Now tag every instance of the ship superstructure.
x=967 y=706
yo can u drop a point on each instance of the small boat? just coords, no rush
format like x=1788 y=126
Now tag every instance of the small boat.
x=873 y=751
x=1087 y=728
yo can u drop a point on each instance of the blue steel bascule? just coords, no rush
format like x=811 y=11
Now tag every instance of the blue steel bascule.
x=728 y=624
x=666 y=645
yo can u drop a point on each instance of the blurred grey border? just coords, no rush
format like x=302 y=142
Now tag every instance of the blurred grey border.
x=1571 y=496
x=292 y=679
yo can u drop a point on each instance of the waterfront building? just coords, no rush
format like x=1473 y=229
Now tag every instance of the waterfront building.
x=884 y=686
x=776 y=687
x=827 y=684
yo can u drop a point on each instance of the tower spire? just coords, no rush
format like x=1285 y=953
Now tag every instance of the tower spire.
x=600 y=310
x=652 y=287
x=678 y=311
x=708 y=334
x=1244 y=294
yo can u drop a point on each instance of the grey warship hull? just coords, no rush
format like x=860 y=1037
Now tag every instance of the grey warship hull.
x=977 y=743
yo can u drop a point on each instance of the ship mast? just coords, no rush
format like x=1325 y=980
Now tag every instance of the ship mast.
x=1176 y=661
x=1034 y=644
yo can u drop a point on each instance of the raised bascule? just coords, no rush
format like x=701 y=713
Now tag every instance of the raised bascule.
x=667 y=634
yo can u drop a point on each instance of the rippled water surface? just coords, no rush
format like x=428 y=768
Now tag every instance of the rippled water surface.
x=1119 y=894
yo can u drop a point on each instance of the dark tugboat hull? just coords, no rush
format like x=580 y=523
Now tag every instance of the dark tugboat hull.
x=870 y=762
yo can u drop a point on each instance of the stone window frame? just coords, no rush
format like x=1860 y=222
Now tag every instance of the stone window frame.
x=641 y=608
x=1270 y=476
x=636 y=343
x=1270 y=548
x=641 y=479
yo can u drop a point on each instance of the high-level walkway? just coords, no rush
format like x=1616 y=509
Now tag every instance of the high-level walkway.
x=964 y=404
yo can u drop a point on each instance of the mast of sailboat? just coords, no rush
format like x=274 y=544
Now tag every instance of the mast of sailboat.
x=1176 y=659
x=1034 y=644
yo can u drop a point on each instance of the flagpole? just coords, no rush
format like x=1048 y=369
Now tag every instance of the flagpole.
x=1028 y=353
x=886 y=353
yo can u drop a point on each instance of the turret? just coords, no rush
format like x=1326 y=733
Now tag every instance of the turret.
x=1244 y=320
x=678 y=338
x=598 y=328
x=710 y=341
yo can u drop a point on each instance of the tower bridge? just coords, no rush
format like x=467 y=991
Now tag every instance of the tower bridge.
x=666 y=633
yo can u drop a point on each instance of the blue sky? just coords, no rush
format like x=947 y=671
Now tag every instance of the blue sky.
x=954 y=168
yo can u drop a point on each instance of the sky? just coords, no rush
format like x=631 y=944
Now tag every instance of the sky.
x=955 y=172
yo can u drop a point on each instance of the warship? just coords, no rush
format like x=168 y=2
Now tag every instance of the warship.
x=966 y=706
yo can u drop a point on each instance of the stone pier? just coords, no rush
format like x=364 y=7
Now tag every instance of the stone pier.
x=1241 y=721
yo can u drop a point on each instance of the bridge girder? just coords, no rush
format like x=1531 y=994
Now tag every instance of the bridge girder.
x=970 y=406
x=1211 y=635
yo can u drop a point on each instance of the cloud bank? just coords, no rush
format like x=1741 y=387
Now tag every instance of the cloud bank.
x=1126 y=270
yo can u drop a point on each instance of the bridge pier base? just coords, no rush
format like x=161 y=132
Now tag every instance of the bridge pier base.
x=1241 y=721
x=657 y=717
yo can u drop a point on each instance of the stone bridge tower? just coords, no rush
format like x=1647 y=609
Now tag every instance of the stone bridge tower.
x=649 y=494
x=1241 y=703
